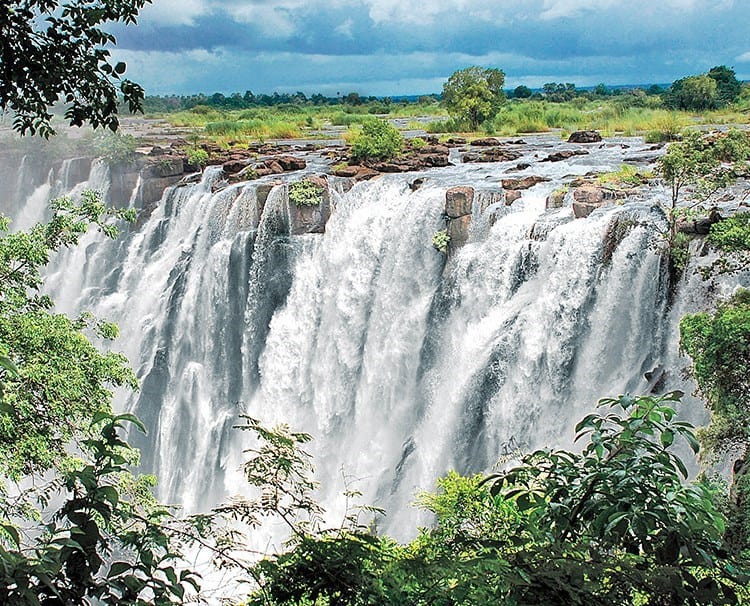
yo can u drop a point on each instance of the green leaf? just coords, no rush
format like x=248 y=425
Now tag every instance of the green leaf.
x=667 y=438
x=118 y=568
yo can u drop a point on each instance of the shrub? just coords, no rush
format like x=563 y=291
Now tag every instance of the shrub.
x=305 y=193
x=115 y=147
x=378 y=139
x=197 y=156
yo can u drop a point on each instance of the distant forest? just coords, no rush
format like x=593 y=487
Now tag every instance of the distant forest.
x=716 y=88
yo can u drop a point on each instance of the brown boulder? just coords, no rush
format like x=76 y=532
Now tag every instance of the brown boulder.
x=511 y=196
x=556 y=199
x=346 y=171
x=585 y=136
x=458 y=231
x=493 y=154
x=523 y=183
x=564 y=155
x=289 y=163
x=459 y=201
x=485 y=142
x=274 y=167
x=165 y=166
x=235 y=165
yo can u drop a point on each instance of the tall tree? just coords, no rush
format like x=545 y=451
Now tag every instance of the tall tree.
x=474 y=94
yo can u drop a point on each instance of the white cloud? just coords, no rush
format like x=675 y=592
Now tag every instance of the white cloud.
x=743 y=58
x=174 y=12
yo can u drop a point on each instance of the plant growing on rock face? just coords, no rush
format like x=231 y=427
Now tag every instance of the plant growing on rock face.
x=706 y=163
x=474 y=94
x=378 y=140
x=719 y=344
x=731 y=237
x=441 y=240
x=305 y=193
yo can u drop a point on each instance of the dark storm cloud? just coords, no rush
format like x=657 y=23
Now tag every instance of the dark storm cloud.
x=339 y=42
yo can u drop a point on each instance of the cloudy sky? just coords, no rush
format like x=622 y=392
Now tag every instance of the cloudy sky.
x=393 y=47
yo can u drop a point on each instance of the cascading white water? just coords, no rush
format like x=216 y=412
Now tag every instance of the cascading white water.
x=401 y=366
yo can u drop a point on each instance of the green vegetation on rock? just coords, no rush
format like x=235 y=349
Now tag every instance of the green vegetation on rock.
x=441 y=240
x=305 y=193
x=378 y=140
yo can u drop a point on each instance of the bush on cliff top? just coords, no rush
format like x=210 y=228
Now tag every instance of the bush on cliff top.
x=378 y=140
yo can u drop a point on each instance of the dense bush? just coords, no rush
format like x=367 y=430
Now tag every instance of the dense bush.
x=378 y=140
x=613 y=525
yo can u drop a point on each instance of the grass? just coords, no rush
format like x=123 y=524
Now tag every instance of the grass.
x=613 y=116
x=626 y=175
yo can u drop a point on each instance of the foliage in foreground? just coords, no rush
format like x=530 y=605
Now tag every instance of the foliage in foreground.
x=76 y=527
x=615 y=524
x=54 y=51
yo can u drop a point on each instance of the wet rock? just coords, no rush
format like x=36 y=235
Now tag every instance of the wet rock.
x=523 y=183
x=458 y=231
x=416 y=184
x=485 y=142
x=459 y=201
x=290 y=163
x=165 y=166
x=79 y=169
x=556 y=199
x=564 y=155
x=311 y=218
x=274 y=167
x=511 y=196
x=585 y=136
x=700 y=226
x=262 y=171
x=457 y=141
x=588 y=198
x=261 y=194
x=493 y=154
x=235 y=165
x=190 y=179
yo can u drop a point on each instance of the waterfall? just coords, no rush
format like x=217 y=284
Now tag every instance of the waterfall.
x=402 y=363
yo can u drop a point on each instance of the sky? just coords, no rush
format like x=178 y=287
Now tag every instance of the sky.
x=404 y=47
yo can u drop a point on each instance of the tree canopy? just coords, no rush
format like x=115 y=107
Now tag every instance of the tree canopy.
x=474 y=94
x=53 y=52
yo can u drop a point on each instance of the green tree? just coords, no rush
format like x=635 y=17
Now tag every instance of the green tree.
x=698 y=93
x=103 y=537
x=521 y=92
x=53 y=52
x=719 y=344
x=728 y=88
x=474 y=94
x=705 y=164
